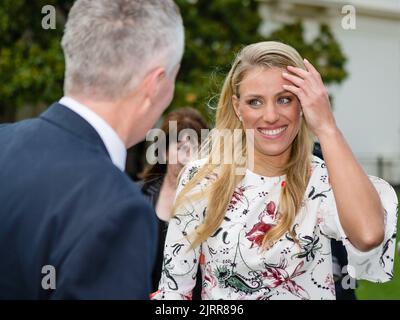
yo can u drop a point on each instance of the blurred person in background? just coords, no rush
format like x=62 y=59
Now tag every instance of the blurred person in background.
x=159 y=181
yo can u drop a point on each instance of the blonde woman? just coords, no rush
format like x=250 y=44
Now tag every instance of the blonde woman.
x=265 y=233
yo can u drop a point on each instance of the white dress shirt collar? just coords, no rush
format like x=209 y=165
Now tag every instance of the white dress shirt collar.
x=111 y=140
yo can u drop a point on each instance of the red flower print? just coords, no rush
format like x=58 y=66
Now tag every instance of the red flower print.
x=201 y=259
x=257 y=233
x=187 y=297
x=280 y=277
x=270 y=210
x=208 y=278
x=237 y=196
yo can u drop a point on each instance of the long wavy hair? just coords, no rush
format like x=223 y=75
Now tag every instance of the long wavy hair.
x=219 y=193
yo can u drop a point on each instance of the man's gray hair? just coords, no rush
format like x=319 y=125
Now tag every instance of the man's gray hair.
x=110 y=45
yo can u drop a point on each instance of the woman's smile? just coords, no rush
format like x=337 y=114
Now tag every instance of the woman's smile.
x=274 y=133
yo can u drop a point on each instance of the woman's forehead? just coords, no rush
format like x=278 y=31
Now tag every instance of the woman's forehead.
x=262 y=80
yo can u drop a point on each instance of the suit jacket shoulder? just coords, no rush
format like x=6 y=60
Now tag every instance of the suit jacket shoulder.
x=65 y=204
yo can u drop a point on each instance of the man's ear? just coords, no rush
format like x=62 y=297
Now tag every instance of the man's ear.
x=152 y=81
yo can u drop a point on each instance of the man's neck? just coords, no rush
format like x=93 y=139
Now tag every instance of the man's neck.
x=110 y=112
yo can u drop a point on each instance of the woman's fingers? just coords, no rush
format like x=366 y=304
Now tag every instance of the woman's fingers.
x=309 y=88
x=311 y=68
x=311 y=74
x=298 y=71
x=307 y=85
x=295 y=90
x=294 y=79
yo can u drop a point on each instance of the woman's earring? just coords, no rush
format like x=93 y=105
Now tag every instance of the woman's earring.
x=240 y=118
x=301 y=113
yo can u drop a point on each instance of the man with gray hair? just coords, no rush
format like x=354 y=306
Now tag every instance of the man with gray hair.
x=73 y=225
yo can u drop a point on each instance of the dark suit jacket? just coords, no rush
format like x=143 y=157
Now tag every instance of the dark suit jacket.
x=63 y=203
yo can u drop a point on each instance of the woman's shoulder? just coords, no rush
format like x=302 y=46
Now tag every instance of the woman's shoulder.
x=192 y=167
x=196 y=163
x=319 y=171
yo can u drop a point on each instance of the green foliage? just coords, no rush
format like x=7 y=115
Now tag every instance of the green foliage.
x=324 y=52
x=31 y=59
x=32 y=63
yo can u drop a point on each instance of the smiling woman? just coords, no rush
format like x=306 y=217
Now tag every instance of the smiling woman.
x=265 y=234
x=274 y=114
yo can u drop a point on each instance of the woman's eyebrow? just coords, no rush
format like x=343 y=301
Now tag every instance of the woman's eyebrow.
x=254 y=95
x=258 y=96
x=283 y=91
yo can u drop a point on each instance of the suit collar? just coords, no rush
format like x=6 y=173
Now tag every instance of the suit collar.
x=70 y=121
x=113 y=143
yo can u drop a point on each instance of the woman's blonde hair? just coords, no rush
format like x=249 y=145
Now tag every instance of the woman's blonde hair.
x=219 y=193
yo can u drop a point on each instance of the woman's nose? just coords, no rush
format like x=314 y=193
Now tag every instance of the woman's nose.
x=270 y=113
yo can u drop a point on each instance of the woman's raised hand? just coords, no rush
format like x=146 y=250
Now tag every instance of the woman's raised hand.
x=307 y=85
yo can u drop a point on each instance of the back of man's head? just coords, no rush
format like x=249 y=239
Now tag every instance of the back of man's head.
x=110 y=45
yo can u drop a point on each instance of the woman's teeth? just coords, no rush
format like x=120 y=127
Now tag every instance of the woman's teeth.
x=272 y=132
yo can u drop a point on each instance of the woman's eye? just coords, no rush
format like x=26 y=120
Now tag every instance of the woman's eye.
x=254 y=102
x=284 y=100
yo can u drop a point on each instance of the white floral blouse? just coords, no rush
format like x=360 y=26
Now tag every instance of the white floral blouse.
x=232 y=264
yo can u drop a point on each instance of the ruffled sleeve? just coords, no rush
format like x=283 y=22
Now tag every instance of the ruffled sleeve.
x=181 y=262
x=375 y=265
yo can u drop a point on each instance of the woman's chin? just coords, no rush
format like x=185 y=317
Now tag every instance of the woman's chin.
x=272 y=151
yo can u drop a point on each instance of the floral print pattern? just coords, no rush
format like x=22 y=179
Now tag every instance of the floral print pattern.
x=232 y=261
